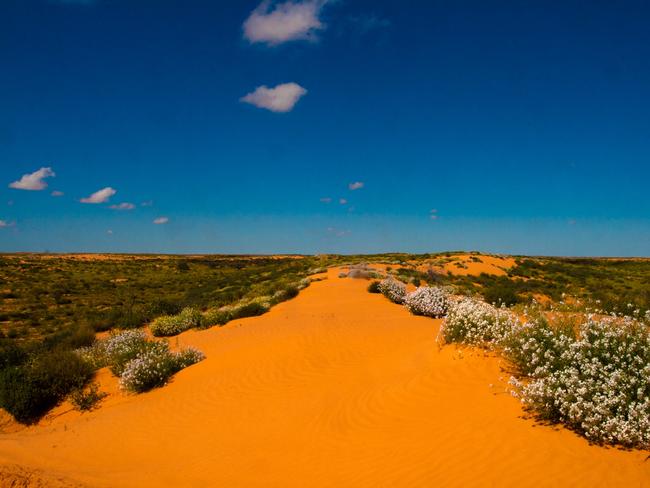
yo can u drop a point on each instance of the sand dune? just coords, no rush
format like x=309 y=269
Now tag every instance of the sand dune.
x=337 y=387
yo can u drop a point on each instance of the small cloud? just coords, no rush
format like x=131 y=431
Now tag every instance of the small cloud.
x=357 y=185
x=57 y=193
x=343 y=201
x=109 y=232
x=288 y=21
x=100 y=196
x=123 y=206
x=148 y=203
x=4 y=223
x=160 y=220
x=33 y=181
x=571 y=222
x=10 y=203
x=281 y=99
x=433 y=214
x=326 y=200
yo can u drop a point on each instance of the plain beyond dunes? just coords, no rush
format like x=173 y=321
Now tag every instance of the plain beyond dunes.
x=337 y=387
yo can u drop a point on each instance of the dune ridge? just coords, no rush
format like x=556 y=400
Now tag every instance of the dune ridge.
x=337 y=387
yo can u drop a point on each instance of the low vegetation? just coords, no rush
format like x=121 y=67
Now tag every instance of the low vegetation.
x=392 y=289
x=589 y=372
x=428 y=301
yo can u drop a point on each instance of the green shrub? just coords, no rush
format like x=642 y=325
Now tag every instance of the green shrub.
x=30 y=390
x=251 y=309
x=88 y=398
x=215 y=316
x=374 y=287
x=168 y=325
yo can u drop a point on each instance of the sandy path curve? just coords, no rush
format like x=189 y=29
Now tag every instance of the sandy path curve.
x=335 y=388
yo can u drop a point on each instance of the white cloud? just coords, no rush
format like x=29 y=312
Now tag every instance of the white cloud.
x=282 y=98
x=33 y=181
x=288 y=21
x=109 y=232
x=100 y=196
x=343 y=201
x=356 y=185
x=4 y=223
x=326 y=200
x=433 y=214
x=57 y=193
x=161 y=220
x=123 y=206
x=148 y=203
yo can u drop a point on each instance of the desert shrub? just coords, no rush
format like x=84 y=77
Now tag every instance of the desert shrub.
x=427 y=301
x=249 y=309
x=536 y=345
x=85 y=399
x=393 y=290
x=168 y=325
x=31 y=389
x=500 y=294
x=215 y=316
x=373 y=287
x=119 y=349
x=285 y=294
x=188 y=357
x=597 y=384
x=155 y=366
x=471 y=321
x=343 y=274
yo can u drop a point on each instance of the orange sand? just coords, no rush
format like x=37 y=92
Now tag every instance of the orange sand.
x=494 y=265
x=336 y=388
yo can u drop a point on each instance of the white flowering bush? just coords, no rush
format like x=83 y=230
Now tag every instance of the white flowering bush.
x=597 y=384
x=114 y=351
x=471 y=321
x=392 y=289
x=155 y=366
x=428 y=301
x=168 y=325
x=188 y=357
x=140 y=364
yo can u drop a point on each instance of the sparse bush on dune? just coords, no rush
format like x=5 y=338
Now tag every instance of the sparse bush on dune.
x=427 y=301
x=373 y=287
x=140 y=364
x=155 y=366
x=167 y=325
x=215 y=316
x=597 y=383
x=392 y=289
x=84 y=399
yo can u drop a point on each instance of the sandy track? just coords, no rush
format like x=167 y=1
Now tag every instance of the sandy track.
x=335 y=388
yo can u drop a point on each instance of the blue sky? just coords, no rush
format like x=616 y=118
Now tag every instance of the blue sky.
x=515 y=127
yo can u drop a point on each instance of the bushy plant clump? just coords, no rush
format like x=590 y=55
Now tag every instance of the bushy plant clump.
x=29 y=390
x=597 y=384
x=392 y=289
x=84 y=399
x=471 y=321
x=167 y=325
x=155 y=366
x=140 y=364
x=428 y=301
x=373 y=287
